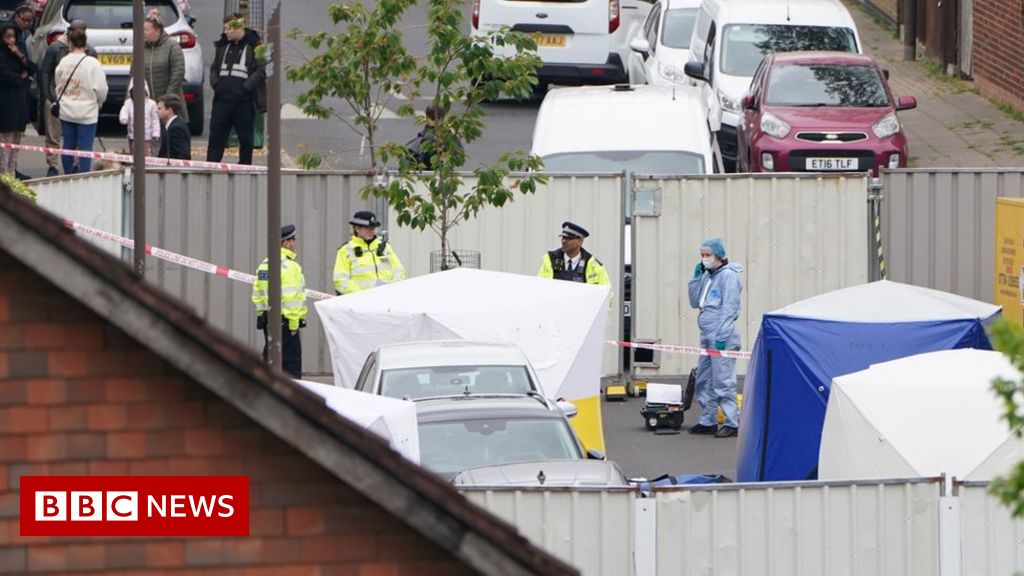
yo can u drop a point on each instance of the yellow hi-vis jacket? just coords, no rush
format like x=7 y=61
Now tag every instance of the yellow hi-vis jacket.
x=590 y=270
x=293 y=289
x=361 y=266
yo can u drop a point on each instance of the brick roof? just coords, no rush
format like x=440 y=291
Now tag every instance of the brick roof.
x=173 y=332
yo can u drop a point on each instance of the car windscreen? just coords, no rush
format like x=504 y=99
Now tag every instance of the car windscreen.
x=107 y=14
x=744 y=45
x=634 y=161
x=679 y=27
x=826 y=85
x=450 y=447
x=454 y=381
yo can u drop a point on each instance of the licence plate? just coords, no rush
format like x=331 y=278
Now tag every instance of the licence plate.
x=116 y=59
x=831 y=163
x=549 y=40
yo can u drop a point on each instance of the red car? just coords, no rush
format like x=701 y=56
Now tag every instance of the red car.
x=820 y=112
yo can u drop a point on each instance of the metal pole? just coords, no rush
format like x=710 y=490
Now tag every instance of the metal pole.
x=139 y=128
x=910 y=30
x=274 y=188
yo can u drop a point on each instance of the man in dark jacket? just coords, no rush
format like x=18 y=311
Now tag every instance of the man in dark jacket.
x=238 y=78
x=175 y=138
x=49 y=92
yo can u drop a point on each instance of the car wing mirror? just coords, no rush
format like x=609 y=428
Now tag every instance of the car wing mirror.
x=749 y=103
x=885 y=73
x=695 y=70
x=595 y=454
x=906 y=103
x=640 y=46
x=567 y=408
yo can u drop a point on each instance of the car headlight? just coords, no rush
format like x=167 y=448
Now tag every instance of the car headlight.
x=671 y=73
x=730 y=105
x=886 y=126
x=773 y=126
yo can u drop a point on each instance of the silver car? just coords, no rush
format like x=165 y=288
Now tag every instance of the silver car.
x=463 y=432
x=110 y=33
x=546 y=473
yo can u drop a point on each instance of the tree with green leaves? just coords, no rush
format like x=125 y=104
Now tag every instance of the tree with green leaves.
x=459 y=74
x=1008 y=338
x=365 y=65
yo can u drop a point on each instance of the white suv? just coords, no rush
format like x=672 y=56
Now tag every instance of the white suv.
x=109 y=29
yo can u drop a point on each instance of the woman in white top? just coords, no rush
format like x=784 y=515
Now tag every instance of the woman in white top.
x=81 y=87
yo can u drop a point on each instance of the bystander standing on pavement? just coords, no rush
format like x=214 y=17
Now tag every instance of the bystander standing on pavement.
x=14 y=68
x=83 y=89
x=293 y=303
x=238 y=79
x=571 y=262
x=175 y=139
x=127 y=118
x=165 y=62
x=366 y=260
x=49 y=91
x=715 y=289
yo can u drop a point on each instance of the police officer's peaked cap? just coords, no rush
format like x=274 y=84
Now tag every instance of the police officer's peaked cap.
x=364 y=218
x=570 y=230
x=287 y=232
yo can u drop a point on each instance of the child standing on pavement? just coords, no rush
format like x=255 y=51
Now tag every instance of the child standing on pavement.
x=127 y=118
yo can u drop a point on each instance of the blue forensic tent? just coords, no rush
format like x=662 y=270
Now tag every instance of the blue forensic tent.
x=802 y=347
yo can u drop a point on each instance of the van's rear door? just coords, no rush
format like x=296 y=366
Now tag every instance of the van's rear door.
x=566 y=32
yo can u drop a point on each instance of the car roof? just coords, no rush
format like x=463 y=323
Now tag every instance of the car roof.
x=465 y=408
x=822 y=57
x=600 y=118
x=673 y=4
x=793 y=12
x=448 y=353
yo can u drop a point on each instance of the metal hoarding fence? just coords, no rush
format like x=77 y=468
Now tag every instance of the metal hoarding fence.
x=796 y=236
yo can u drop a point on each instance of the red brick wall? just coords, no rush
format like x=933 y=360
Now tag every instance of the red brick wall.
x=78 y=397
x=998 y=51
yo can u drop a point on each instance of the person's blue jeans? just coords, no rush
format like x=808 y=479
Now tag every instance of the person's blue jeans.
x=77 y=137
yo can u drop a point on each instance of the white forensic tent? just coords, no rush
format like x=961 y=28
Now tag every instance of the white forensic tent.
x=390 y=418
x=920 y=416
x=560 y=326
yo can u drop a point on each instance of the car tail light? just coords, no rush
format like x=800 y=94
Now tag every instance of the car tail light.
x=185 y=39
x=476 y=13
x=613 y=15
x=52 y=36
x=190 y=96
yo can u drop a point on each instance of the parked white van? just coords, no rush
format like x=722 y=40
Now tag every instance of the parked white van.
x=579 y=41
x=731 y=37
x=640 y=129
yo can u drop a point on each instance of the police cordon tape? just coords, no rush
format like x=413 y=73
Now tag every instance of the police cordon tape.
x=689 y=350
x=225 y=272
x=176 y=258
x=128 y=159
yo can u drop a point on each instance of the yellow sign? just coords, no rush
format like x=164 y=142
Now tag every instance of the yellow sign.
x=549 y=40
x=1009 y=268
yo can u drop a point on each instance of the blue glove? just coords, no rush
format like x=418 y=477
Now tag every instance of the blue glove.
x=719 y=344
x=698 y=269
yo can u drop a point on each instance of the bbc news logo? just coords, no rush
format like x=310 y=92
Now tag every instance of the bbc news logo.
x=134 y=506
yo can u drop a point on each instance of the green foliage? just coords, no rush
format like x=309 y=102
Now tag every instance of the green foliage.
x=363 y=65
x=1009 y=339
x=461 y=73
x=309 y=160
x=17 y=186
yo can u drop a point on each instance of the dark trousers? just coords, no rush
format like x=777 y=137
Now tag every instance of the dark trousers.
x=225 y=115
x=291 y=350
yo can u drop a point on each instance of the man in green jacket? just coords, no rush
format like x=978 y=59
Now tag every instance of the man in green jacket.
x=165 y=62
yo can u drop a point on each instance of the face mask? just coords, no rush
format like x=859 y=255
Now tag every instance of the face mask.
x=708 y=261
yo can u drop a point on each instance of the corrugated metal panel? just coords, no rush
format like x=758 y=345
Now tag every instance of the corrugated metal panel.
x=799 y=529
x=992 y=541
x=591 y=530
x=94 y=199
x=221 y=218
x=938 y=227
x=796 y=237
x=515 y=237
